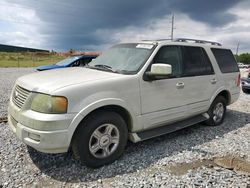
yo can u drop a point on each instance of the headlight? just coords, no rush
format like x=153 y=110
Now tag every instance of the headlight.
x=49 y=104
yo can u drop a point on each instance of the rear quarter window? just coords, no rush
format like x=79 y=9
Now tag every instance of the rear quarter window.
x=225 y=60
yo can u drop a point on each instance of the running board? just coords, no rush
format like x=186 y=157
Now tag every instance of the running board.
x=147 y=134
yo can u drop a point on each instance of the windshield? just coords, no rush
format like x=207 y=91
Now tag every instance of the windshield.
x=124 y=58
x=67 y=61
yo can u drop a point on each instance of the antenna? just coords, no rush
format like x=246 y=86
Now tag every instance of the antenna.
x=172 y=27
x=237 y=48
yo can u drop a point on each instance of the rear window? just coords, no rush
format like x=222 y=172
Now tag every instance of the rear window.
x=225 y=60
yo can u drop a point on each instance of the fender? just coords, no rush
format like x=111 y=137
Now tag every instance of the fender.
x=222 y=88
x=98 y=104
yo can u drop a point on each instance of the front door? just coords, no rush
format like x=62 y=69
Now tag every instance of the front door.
x=162 y=100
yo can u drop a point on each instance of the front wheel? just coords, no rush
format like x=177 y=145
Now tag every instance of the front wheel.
x=100 y=139
x=217 y=112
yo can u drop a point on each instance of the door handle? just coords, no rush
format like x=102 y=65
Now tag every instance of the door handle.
x=213 y=81
x=180 y=85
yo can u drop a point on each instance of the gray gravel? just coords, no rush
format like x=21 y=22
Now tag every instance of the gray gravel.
x=8 y=77
x=144 y=164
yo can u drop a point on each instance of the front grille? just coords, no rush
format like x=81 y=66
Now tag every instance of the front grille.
x=19 y=96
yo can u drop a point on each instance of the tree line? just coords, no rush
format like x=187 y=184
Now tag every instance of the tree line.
x=243 y=58
x=9 y=48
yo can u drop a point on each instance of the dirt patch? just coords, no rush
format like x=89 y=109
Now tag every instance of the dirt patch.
x=183 y=168
x=237 y=164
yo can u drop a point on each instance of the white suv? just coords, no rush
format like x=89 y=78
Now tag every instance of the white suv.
x=133 y=91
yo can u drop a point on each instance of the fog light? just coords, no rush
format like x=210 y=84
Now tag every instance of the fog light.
x=35 y=137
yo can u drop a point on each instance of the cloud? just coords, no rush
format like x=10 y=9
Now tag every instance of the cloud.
x=74 y=25
x=238 y=31
x=185 y=27
x=19 y=25
x=96 y=24
x=213 y=12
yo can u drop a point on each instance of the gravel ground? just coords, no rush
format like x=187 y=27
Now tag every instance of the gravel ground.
x=145 y=164
x=8 y=77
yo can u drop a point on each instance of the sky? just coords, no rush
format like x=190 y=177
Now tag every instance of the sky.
x=61 y=25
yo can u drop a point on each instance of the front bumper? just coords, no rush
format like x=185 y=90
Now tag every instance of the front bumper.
x=246 y=87
x=47 y=133
x=245 y=83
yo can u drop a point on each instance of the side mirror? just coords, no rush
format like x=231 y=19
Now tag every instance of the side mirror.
x=159 y=71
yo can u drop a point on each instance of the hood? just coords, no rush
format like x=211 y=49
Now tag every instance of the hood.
x=48 y=67
x=49 y=81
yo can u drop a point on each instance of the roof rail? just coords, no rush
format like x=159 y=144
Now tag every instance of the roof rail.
x=155 y=40
x=197 y=41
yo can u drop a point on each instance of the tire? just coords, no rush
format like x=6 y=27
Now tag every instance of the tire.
x=217 y=111
x=247 y=91
x=100 y=139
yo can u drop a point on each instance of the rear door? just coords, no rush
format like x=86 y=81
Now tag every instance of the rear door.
x=200 y=81
x=229 y=71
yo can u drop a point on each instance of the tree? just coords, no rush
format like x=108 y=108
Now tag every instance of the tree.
x=243 y=58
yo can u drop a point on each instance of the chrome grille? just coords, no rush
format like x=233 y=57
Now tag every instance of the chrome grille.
x=19 y=96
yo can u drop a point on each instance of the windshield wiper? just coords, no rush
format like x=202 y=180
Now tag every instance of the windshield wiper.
x=102 y=67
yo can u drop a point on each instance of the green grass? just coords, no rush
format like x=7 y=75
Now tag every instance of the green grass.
x=27 y=59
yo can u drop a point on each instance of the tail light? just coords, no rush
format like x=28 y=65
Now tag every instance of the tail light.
x=238 y=80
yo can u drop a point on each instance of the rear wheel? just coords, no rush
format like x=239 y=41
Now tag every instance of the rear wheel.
x=100 y=139
x=217 y=112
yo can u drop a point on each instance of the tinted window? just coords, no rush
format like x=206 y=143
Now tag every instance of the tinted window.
x=170 y=55
x=207 y=63
x=195 y=61
x=225 y=60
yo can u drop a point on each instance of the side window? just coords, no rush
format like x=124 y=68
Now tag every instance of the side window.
x=82 y=62
x=195 y=61
x=76 y=63
x=225 y=60
x=170 y=55
x=207 y=63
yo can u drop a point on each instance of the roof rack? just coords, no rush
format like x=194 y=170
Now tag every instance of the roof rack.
x=197 y=41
